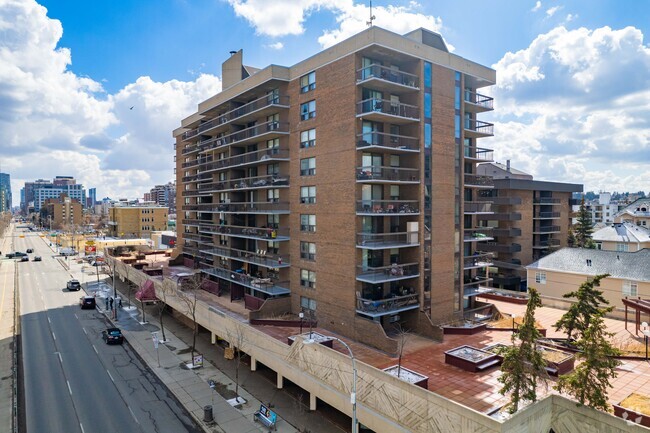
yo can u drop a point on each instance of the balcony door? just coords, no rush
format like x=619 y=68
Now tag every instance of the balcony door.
x=369 y=130
x=371 y=164
x=370 y=194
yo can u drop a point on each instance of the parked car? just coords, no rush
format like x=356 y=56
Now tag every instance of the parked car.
x=30 y=250
x=37 y=258
x=74 y=285
x=87 y=302
x=113 y=336
x=24 y=259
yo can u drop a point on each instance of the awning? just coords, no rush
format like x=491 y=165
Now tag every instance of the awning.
x=147 y=292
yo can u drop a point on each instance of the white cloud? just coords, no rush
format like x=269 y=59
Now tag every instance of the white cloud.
x=54 y=122
x=570 y=17
x=286 y=17
x=538 y=5
x=575 y=105
x=551 y=11
x=275 y=46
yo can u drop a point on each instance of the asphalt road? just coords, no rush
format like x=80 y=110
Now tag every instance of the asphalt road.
x=73 y=381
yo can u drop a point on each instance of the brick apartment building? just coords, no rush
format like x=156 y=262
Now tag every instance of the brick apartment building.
x=345 y=185
x=134 y=221
x=62 y=213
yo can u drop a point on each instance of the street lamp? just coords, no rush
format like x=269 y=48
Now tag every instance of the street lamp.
x=353 y=395
x=645 y=329
x=302 y=316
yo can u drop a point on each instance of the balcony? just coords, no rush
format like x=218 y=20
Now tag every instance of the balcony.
x=380 y=241
x=478 y=260
x=193 y=222
x=247 y=183
x=387 y=207
x=546 y=215
x=477 y=207
x=263 y=156
x=197 y=237
x=263 y=131
x=478 y=129
x=263 y=207
x=479 y=280
x=270 y=286
x=379 y=174
x=257 y=233
x=388 y=306
x=196 y=162
x=478 y=154
x=390 y=142
x=547 y=243
x=385 y=274
x=386 y=79
x=507 y=232
x=477 y=103
x=500 y=216
x=496 y=247
x=506 y=280
x=480 y=182
x=478 y=234
x=504 y=201
x=255 y=109
x=192 y=193
x=547 y=201
x=190 y=250
x=514 y=264
x=259 y=257
x=383 y=110
x=546 y=230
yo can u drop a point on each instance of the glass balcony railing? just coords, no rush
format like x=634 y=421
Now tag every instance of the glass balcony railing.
x=265 y=284
x=379 y=72
x=387 y=174
x=546 y=215
x=389 y=207
x=259 y=233
x=248 y=158
x=478 y=234
x=546 y=229
x=470 y=207
x=387 y=240
x=259 y=257
x=382 y=274
x=390 y=108
x=391 y=141
x=548 y=243
x=385 y=306
x=478 y=260
x=547 y=200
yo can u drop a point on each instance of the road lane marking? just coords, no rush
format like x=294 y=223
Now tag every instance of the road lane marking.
x=82 y=428
x=69 y=388
x=75 y=315
x=95 y=349
x=133 y=415
x=109 y=375
x=60 y=358
x=85 y=332
x=53 y=336
x=49 y=321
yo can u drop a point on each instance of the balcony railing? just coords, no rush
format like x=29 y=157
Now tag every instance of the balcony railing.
x=388 y=174
x=479 y=181
x=477 y=207
x=387 y=74
x=508 y=233
x=391 y=207
x=259 y=233
x=192 y=222
x=198 y=237
x=546 y=215
x=477 y=260
x=479 y=128
x=247 y=183
x=196 y=162
x=387 y=240
x=258 y=104
x=549 y=243
x=478 y=234
x=385 y=106
x=270 y=286
x=394 y=272
x=483 y=101
x=249 y=158
x=392 y=305
x=479 y=154
x=547 y=200
x=391 y=141
x=242 y=136
x=546 y=229
x=258 y=257
x=497 y=247
x=253 y=207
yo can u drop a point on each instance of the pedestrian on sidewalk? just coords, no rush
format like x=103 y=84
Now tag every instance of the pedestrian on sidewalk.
x=119 y=302
x=111 y=302
x=106 y=299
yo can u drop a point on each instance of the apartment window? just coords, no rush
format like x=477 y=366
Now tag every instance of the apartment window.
x=308 y=251
x=307 y=223
x=308 y=166
x=273 y=247
x=308 y=82
x=540 y=277
x=622 y=247
x=308 y=110
x=273 y=221
x=273 y=169
x=307 y=303
x=273 y=195
x=630 y=288
x=308 y=194
x=308 y=278
x=273 y=122
x=308 y=138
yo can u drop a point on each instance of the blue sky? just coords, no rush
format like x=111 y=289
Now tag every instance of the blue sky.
x=572 y=100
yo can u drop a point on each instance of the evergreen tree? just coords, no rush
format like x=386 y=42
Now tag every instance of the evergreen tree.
x=589 y=381
x=583 y=227
x=589 y=300
x=523 y=366
x=571 y=238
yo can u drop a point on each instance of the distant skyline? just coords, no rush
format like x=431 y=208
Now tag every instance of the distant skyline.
x=94 y=89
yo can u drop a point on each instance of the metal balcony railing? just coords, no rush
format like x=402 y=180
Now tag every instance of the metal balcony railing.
x=387 y=240
x=547 y=229
x=387 y=305
x=388 y=207
x=478 y=234
x=479 y=181
x=386 y=106
x=247 y=183
x=253 y=207
x=394 y=272
x=259 y=257
x=196 y=162
x=482 y=101
x=264 y=283
x=546 y=215
x=478 y=153
x=547 y=200
x=259 y=233
x=548 y=243
x=387 y=74
x=479 y=259
x=391 y=174
x=392 y=141
x=477 y=207
x=249 y=158
x=479 y=127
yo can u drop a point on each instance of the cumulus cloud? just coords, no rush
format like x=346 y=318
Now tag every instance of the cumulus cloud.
x=275 y=46
x=551 y=11
x=286 y=17
x=55 y=122
x=538 y=5
x=574 y=105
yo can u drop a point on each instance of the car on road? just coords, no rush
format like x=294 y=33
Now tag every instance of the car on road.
x=24 y=259
x=15 y=255
x=113 y=336
x=30 y=250
x=37 y=258
x=87 y=302
x=74 y=285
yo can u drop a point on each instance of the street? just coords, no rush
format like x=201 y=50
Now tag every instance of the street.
x=73 y=381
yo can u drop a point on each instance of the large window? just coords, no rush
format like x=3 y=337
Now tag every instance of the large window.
x=273 y=195
x=307 y=303
x=308 y=110
x=622 y=247
x=540 y=277
x=308 y=166
x=308 y=278
x=307 y=223
x=308 y=82
x=630 y=288
x=308 y=251
x=308 y=194
x=308 y=138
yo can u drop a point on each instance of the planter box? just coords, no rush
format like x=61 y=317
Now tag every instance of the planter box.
x=562 y=365
x=492 y=348
x=409 y=376
x=464 y=330
x=318 y=338
x=519 y=300
x=643 y=416
x=471 y=359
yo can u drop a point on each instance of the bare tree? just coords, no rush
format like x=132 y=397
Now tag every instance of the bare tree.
x=128 y=272
x=237 y=339
x=165 y=289
x=187 y=297
x=402 y=336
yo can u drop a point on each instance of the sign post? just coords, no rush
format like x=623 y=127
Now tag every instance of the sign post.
x=156 y=342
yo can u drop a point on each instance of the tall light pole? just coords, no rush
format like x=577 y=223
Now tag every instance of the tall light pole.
x=646 y=334
x=353 y=395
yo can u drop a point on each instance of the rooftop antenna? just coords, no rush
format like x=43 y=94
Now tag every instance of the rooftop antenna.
x=372 y=17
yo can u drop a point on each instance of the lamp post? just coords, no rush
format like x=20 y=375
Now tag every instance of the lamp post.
x=645 y=329
x=353 y=395
x=302 y=316
x=514 y=316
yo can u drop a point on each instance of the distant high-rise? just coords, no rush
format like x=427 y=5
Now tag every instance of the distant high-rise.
x=27 y=203
x=37 y=192
x=92 y=197
x=5 y=185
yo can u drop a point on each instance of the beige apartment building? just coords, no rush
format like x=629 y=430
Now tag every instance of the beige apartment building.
x=530 y=219
x=344 y=186
x=62 y=213
x=637 y=213
x=136 y=221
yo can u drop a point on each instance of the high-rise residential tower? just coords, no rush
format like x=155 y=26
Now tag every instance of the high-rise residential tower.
x=5 y=185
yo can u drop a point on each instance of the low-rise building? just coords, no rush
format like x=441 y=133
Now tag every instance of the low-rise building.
x=637 y=213
x=622 y=237
x=61 y=213
x=136 y=221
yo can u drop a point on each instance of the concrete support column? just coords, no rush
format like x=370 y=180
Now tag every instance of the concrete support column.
x=213 y=338
x=280 y=382
x=253 y=363
x=312 y=401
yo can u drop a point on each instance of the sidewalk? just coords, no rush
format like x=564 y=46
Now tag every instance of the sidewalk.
x=7 y=341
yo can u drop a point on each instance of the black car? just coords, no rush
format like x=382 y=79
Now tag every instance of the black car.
x=37 y=258
x=24 y=259
x=74 y=285
x=87 y=302
x=113 y=336
x=15 y=255
x=30 y=250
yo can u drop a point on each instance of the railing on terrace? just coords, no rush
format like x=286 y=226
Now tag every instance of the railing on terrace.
x=473 y=179
x=388 y=304
x=387 y=239
x=247 y=158
x=547 y=243
x=388 y=74
x=478 y=259
x=393 y=174
x=382 y=139
x=388 y=206
x=374 y=105
x=396 y=271
x=478 y=234
x=259 y=257
x=484 y=101
x=254 y=207
x=478 y=153
x=479 y=126
x=258 y=104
